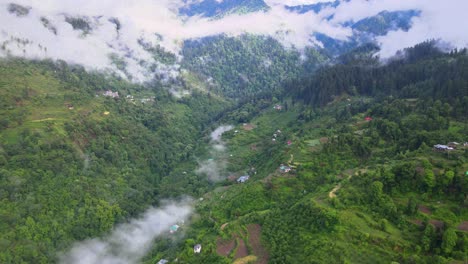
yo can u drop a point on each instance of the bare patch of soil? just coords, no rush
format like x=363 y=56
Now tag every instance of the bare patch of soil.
x=463 y=226
x=438 y=224
x=223 y=248
x=424 y=209
x=324 y=140
x=254 y=240
x=241 y=249
x=248 y=127
x=417 y=222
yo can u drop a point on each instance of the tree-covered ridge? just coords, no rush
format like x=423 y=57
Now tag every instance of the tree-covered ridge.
x=218 y=9
x=74 y=162
x=385 y=21
x=366 y=30
x=419 y=73
x=243 y=66
x=301 y=9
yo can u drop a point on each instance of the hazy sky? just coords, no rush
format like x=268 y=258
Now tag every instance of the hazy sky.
x=141 y=19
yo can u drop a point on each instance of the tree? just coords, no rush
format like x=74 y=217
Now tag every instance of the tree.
x=428 y=237
x=449 y=240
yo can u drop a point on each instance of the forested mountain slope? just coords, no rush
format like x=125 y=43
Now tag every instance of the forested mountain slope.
x=350 y=177
x=75 y=161
x=341 y=163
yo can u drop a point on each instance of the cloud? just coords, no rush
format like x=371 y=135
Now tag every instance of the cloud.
x=128 y=243
x=443 y=20
x=439 y=20
x=138 y=20
x=214 y=167
x=27 y=36
x=218 y=132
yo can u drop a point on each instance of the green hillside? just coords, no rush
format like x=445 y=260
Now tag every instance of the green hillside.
x=365 y=185
x=342 y=162
x=75 y=162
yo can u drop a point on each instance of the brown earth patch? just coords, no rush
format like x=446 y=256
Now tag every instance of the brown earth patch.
x=324 y=140
x=257 y=247
x=417 y=222
x=463 y=226
x=253 y=147
x=438 y=224
x=424 y=209
x=232 y=178
x=241 y=249
x=248 y=127
x=223 y=248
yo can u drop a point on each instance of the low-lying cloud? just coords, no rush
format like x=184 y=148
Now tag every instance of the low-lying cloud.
x=129 y=242
x=158 y=23
x=214 y=167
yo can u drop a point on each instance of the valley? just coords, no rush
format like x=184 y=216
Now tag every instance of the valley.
x=234 y=131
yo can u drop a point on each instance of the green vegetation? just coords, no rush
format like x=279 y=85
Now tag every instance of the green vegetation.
x=341 y=163
x=361 y=190
x=75 y=162
x=243 y=66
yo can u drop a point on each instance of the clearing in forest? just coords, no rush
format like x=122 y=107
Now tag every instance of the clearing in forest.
x=254 y=241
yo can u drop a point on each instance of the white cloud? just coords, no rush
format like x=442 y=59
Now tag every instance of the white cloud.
x=128 y=243
x=439 y=20
x=144 y=18
x=214 y=167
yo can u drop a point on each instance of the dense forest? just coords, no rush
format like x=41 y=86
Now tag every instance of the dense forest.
x=420 y=72
x=245 y=66
x=75 y=162
x=366 y=184
x=341 y=159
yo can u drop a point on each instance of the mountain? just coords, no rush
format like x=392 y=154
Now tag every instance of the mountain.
x=316 y=8
x=385 y=21
x=232 y=131
x=219 y=9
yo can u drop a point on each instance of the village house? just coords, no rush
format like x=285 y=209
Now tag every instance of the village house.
x=109 y=93
x=197 y=248
x=440 y=147
x=173 y=229
x=453 y=144
x=243 y=179
x=278 y=107
x=284 y=168
x=163 y=261
x=146 y=100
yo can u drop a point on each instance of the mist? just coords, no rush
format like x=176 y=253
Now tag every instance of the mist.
x=158 y=23
x=214 y=167
x=128 y=243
